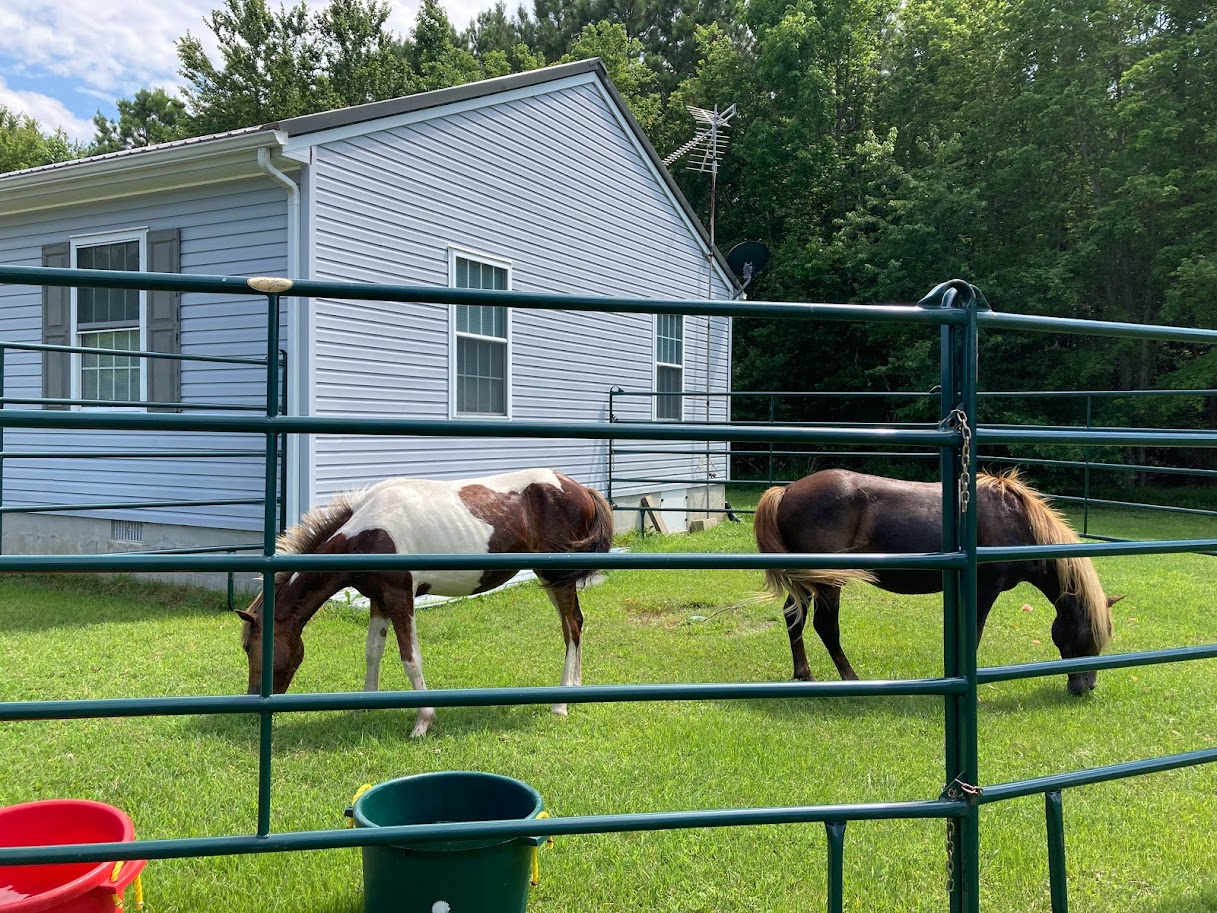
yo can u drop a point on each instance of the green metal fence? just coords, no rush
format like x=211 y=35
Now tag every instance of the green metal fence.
x=954 y=309
x=761 y=454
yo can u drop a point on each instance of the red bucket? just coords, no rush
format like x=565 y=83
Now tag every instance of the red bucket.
x=67 y=887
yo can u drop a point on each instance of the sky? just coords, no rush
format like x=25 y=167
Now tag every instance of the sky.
x=61 y=61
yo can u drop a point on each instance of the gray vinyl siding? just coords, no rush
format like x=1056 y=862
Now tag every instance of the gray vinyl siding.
x=551 y=183
x=237 y=228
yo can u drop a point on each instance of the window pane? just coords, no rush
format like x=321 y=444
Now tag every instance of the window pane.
x=111 y=378
x=108 y=306
x=475 y=274
x=481 y=320
x=481 y=376
x=670 y=380
x=669 y=348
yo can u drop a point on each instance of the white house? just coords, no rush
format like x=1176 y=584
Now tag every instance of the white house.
x=540 y=181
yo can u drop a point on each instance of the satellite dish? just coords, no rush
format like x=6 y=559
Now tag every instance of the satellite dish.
x=747 y=259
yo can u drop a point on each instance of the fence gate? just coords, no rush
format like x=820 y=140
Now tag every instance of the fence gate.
x=957 y=311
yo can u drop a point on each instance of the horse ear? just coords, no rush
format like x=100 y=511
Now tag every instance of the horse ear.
x=248 y=616
x=1112 y=600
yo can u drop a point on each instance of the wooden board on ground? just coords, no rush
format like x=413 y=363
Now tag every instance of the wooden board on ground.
x=650 y=505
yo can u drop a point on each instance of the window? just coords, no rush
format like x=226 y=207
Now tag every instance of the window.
x=109 y=319
x=481 y=375
x=669 y=366
x=115 y=319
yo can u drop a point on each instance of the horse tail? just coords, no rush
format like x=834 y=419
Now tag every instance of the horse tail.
x=803 y=585
x=597 y=538
x=1077 y=576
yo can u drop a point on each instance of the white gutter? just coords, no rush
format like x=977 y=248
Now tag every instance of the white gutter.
x=295 y=373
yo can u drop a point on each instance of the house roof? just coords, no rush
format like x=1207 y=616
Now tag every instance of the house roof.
x=225 y=156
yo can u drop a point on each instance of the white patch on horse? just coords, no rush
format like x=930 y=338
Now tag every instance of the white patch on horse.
x=428 y=517
x=377 y=632
x=509 y=482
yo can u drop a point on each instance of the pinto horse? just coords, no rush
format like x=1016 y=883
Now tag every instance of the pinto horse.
x=839 y=511
x=533 y=510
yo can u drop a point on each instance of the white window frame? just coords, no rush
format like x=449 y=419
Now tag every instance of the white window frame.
x=656 y=364
x=97 y=240
x=465 y=253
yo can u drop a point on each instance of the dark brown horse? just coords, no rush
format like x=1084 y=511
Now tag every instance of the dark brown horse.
x=534 y=510
x=840 y=511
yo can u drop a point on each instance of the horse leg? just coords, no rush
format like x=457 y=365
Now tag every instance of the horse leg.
x=398 y=603
x=795 y=620
x=378 y=630
x=565 y=599
x=825 y=621
x=986 y=595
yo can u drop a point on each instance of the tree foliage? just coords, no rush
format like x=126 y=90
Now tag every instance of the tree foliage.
x=1061 y=157
x=148 y=118
x=23 y=144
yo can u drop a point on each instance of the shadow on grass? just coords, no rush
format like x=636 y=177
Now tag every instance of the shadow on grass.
x=1049 y=694
x=30 y=603
x=343 y=729
x=1200 y=900
x=822 y=708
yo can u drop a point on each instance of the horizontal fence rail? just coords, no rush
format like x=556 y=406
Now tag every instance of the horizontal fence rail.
x=955 y=311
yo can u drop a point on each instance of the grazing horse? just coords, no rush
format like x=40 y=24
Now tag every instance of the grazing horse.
x=533 y=510
x=840 y=511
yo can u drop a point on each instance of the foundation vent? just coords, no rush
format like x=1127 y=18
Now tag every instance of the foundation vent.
x=126 y=531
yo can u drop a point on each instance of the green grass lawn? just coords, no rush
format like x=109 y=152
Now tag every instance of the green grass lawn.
x=1137 y=845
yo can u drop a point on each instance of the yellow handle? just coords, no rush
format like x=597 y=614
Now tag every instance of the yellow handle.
x=139 y=889
x=536 y=855
x=359 y=792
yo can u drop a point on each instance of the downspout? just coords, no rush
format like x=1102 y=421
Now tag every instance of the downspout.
x=294 y=496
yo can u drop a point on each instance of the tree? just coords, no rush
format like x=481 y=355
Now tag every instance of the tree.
x=270 y=68
x=622 y=58
x=24 y=145
x=361 y=61
x=436 y=56
x=148 y=118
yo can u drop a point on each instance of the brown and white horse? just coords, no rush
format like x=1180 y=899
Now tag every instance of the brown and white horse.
x=839 y=511
x=533 y=510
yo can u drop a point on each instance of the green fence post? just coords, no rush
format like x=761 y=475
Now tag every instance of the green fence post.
x=958 y=404
x=772 y=419
x=836 y=865
x=969 y=749
x=1086 y=471
x=612 y=417
x=232 y=606
x=1056 y=852
x=283 y=444
x=2 y=456
x=269 y=535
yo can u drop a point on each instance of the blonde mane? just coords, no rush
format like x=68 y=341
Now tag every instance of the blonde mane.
x=1077 y=576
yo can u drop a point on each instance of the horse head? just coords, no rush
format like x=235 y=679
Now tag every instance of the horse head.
x=288 y=653
x=1082 y=628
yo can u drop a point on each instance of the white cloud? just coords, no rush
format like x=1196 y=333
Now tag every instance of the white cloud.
x=49 y=112
x=89 y=50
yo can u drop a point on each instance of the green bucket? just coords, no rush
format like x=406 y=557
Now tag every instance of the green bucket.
x=453 y=876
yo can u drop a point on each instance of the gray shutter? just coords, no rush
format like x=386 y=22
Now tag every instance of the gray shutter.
x=164 y=320
x=56 y=323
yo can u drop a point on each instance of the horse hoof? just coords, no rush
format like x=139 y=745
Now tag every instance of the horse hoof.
x=422 y=724
x=559 y=710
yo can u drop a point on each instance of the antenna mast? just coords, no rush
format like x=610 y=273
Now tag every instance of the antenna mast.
x=706 y=148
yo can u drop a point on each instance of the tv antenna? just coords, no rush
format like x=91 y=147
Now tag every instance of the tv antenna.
x=706 y=149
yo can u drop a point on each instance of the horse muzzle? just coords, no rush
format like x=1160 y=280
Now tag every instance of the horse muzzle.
x=1082 y=683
